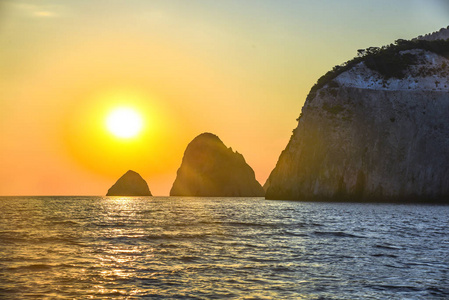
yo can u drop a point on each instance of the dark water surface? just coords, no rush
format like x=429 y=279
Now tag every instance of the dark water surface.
x=220 y=248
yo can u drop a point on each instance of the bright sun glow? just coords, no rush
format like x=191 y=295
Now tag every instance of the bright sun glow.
x=124 y=122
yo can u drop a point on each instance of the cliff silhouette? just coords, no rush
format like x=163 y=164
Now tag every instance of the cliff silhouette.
x=130 y=184
x=209 y=168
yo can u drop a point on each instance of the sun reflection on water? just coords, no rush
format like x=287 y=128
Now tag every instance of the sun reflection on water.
x=150 y=247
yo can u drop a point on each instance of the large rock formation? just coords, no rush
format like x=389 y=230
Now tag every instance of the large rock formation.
x=130 y=184
x=209 y=168
x=374 y=129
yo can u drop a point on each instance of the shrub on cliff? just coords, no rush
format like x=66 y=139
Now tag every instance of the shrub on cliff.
x=385 y=60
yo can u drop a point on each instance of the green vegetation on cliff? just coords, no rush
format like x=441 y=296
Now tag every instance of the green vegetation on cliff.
x=385 y=60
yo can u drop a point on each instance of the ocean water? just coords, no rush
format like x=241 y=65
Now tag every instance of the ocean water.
x=220 y=248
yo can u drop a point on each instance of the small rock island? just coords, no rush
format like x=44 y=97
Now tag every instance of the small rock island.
x=210 y=169
x=373 y=129
x=130 y=184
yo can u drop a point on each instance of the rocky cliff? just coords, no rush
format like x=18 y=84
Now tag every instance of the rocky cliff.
x=376 y=129
x=130 y=184
x=209 y=168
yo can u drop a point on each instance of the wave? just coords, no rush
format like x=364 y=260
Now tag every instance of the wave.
x=337 y=234
x=189 y=258
x=295 y=233
x=168 y=236
x=40 y=267
x=66 y=222
x=388 y=246
x=399 y=288
x=384 y=255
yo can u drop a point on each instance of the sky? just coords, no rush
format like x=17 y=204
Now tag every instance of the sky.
x=238 y=69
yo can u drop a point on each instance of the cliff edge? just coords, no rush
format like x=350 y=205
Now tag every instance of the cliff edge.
x=373 y=129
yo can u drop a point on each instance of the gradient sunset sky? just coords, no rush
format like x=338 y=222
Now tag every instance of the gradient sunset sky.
x=238 y=69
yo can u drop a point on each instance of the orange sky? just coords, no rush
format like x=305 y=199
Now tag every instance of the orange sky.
x=239 y=70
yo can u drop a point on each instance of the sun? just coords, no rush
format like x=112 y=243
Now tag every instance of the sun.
x=124 y=122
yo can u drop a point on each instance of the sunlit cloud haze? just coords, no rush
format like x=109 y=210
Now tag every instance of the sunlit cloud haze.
x=238 y=69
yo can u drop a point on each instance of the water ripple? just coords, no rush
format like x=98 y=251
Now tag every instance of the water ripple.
x=215 y=248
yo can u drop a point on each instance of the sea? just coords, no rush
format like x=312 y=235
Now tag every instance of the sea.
x=220 y=248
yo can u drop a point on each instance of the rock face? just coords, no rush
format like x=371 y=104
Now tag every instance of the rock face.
x=130 y=184
x=365 y=137
x=211 y=169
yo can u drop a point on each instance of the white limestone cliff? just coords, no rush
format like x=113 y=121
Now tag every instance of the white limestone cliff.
x=365 y=137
